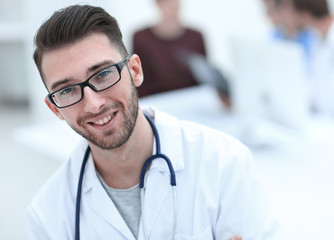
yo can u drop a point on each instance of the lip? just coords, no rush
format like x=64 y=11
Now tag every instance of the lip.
x=104 y=121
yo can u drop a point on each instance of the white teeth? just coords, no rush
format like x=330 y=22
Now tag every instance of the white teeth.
x=103 y=121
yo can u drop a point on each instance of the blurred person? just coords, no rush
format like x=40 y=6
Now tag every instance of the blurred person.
x=316 y=14
x=287 y=26
x=174 y=56
x=163 y=49
x=119 y=183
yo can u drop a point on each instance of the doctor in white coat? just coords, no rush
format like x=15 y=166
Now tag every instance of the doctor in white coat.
x=92 y=86
x=316 y=16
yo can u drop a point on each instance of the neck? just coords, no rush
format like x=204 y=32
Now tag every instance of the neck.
x=168 y=29
x=121 y=167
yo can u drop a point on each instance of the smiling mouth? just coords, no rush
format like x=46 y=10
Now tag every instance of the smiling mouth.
x=104 y=121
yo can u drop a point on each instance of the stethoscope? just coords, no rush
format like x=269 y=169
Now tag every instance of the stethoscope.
x=147 y=163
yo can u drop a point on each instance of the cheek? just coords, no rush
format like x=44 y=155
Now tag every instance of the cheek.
x=70 y=116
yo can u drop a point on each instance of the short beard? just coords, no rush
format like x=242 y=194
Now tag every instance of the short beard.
x=115 y=138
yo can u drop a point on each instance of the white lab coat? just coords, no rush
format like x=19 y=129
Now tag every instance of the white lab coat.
x=218 y=195
x=322 y=78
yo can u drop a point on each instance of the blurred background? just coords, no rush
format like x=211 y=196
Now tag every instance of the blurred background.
x=268 y=107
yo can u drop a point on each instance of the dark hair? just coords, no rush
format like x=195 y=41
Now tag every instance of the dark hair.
x=277 y=2
x=317 y=8
x=73 y=23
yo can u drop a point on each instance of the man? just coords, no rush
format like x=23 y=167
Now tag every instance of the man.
x=218 y=196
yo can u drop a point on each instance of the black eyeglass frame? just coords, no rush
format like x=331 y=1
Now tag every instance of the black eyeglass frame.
x=119 y=66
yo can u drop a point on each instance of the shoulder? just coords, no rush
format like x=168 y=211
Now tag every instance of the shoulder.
x=142 y=33
x=53 y=189
x=212 y=142
x=58 y=192
x=191 y=128
x=201 y=153
x=194 y=33
x=49 y=205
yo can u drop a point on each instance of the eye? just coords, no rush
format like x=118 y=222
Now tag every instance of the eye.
x=104 y=77
x=66 y=91
x=103 y=74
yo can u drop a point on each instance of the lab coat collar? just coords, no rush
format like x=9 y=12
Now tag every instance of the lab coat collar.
x=76 y=162
x=101 y=204
x=93 y=192
x=158 y=197
x=169 y=131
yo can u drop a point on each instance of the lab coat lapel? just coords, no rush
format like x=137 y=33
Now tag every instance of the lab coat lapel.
x=105 y=208
x=95 y=197
x=170 y=138
x=158 y=197
x=158 y=202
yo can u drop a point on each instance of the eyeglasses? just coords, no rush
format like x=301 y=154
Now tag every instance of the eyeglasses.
x=99 y=81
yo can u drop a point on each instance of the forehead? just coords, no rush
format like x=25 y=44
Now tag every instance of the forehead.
x=74 y=60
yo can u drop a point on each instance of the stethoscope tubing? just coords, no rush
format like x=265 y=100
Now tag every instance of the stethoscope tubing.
x=78 y=200
x=155 y=156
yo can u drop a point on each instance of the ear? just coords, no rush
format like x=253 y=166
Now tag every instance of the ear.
x=136 y=70
x=53 y=108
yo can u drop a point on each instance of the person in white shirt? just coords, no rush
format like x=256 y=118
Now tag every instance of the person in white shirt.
x=287 y=27
x=315 y=15
x=92 y=82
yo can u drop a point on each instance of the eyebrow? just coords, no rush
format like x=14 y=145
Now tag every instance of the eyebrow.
x=99 y=65
x=89 y=71
x=57 y=84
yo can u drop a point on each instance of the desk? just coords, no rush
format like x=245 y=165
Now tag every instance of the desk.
x=296 y=166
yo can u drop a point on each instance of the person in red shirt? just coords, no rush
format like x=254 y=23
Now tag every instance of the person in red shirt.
x=163 y=49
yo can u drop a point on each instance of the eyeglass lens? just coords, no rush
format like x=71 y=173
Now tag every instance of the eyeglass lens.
x=98 y=82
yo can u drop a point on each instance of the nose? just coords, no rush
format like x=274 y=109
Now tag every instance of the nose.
x=93 y=101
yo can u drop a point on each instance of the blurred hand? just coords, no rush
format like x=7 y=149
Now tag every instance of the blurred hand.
x=235 y=238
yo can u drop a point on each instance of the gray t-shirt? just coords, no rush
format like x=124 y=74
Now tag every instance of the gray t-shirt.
x=127 y=202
